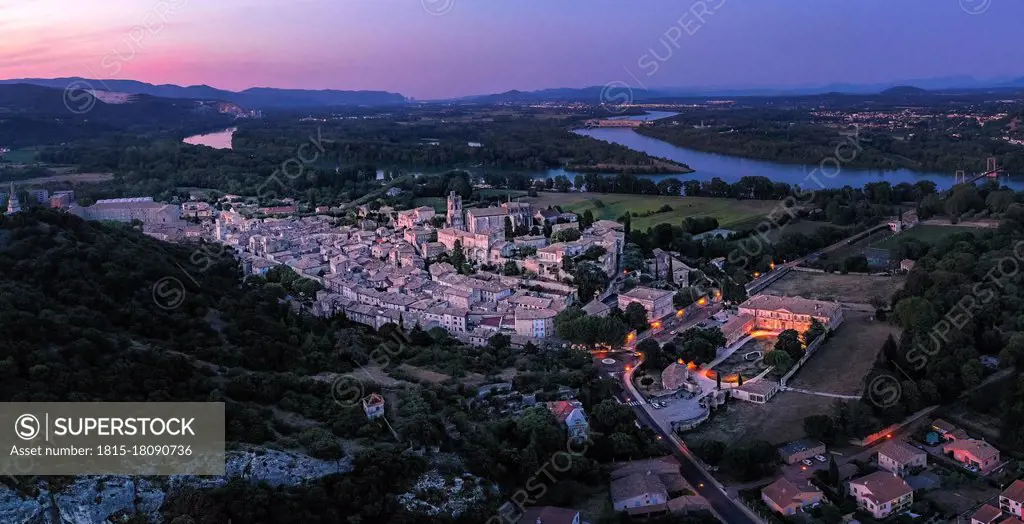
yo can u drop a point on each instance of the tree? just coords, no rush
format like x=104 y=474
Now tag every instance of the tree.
x=671 y=278
x=636 y=316
x=833 y=471
x=590 y=280
x=789 y=343
x=820 y=427
x=587 y=219
x=499 y=342
x=779 y=359
x=653 y=355
x=815 y=330
x=568 y=234
x=457 y=258
x=684 y=297
x=509 y=229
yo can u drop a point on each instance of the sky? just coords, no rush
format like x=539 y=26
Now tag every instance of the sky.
x=446 y=48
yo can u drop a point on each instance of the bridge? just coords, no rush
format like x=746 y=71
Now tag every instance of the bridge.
x=992 y=170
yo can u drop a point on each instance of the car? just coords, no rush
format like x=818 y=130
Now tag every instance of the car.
x=674 y=331
x=702 y=324
x=807 y=462
x=820 y=458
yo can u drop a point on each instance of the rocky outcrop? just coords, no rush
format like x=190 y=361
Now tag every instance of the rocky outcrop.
x=91 y=500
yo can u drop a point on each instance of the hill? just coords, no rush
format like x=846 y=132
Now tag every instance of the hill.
x=35 y=115
x=253 y=98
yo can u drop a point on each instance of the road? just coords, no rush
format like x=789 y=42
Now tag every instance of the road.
x=726 y=509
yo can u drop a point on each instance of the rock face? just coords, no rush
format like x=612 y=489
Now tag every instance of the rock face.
x=92 y=500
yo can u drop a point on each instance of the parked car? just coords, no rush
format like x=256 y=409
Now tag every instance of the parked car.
x=808 y=462
x=674 y=331
x=820 y=458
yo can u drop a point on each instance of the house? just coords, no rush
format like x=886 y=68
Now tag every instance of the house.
x=943 y=427
x=535 y=323
x=986 y=514
x=787 y=498
x=898 y=457
x=373 y=405
x=758 y=392
x=906 y=265
x=882 y=494
x=973 y=452
x=1012 y=499
x=657 y=302
x=571 y=414
x=596 y=308
x=776 y=313
x=550 y=515
x=664 y=262
x=651 y=486
x=798 y=450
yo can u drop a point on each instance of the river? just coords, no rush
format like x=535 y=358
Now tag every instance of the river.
x=731 y=168
x=710 y=165
x=218 y=140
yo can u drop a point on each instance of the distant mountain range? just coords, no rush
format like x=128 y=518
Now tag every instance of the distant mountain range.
x=37 y=115
x=618 y=91
x=254 y=98
x=270 y=98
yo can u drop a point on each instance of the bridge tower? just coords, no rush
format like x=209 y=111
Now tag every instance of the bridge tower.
x=960 y=177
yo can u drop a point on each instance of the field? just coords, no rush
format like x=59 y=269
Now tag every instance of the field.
x=831 y=287
x=929 y=234
x=439 y=204
x=79 y=178
x=731 y=214
x=21 y=156
x=778 y=421
x=876 y=239
x=839 y=366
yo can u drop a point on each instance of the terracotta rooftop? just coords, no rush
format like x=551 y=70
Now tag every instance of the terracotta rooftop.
x=883 y=486
x=783 y=492
x=1015 y=491
x=987 y=514
x=900 y=451
x=978 y=448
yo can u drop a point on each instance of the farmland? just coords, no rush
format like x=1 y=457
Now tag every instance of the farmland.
x=731 y=214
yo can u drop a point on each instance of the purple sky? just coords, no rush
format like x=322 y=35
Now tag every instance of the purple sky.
x=442 y=48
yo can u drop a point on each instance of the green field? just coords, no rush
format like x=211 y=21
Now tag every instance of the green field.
x=439 y=204
x=21 y=156
x=731 y=214
x=929 y=234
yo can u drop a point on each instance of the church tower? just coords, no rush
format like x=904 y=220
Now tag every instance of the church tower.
x=13 y=206
x=456 y=220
